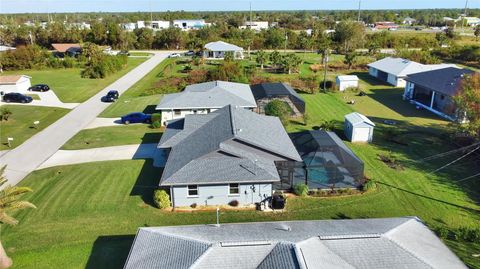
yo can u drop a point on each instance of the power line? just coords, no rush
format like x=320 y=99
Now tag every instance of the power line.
x=454 y=161
x=467 y=178
x=443 y=154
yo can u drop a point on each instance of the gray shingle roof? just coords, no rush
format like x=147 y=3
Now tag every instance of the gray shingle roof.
x=248 y=145
x=222 y=46
x=213 y=94
x=362 y=243
x=445 y=80
x=401 y=67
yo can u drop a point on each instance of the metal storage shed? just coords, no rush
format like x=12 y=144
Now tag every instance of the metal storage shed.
x=358 y=128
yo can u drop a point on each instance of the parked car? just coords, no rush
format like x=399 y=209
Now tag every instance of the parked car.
x=111 y=96
x=124 y=52
x=190 y=53
x=174 y=55
x=39 y=88
x=17 y=98
x=136 y=117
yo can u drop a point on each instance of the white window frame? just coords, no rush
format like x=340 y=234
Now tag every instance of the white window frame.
x=230 y=188
x=188 y=191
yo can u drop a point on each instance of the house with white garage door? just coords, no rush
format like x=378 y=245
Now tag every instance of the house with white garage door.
x=358 y=128
x=395 y=70
x=14 y=83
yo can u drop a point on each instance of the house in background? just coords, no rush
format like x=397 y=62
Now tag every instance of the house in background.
x=14 y=83
x=129 y=26
x=217 y=50
x=395 y=70
x=204 y=98
x=189 y=24
x=159 y=25
x=232 y=154
x=255 y=25
x=266 y=92
x=386 y=25
x=409 y=21
x=348 y=243
x=358 y=128
x=434 y=91
x=67 y=49
x=327 y=162
x=347 y=81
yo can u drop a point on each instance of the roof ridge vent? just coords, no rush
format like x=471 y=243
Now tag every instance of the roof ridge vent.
x=245 y=243
x=349 y=236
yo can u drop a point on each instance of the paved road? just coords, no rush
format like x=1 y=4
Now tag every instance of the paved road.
x=125 y=152
x=36 y=150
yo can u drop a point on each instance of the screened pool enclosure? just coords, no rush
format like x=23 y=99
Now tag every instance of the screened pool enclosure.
x=327 y=161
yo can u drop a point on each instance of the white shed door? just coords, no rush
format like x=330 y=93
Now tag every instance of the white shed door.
x=362 y=134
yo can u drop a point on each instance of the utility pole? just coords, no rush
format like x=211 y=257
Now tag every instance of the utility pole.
x=250 y=26
x=151 y=15
x=286 y=39
x=325 y=60
x=464 y=16
x=359 y=9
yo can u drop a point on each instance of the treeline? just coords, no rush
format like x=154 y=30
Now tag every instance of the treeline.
x=294 y=20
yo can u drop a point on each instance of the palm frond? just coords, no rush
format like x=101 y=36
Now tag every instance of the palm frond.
x=6 y=219
x=20 y=205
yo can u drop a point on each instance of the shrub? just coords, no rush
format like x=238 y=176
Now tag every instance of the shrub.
x=315 y=67
x=300 y=189
x=234 y=203
x=187 y=68
x=197 y=76
x=369 y=185
x=156 y=124
x=161 y=199
x=329 y=85
x=156 y=117
x=279 y=108
x=194 y=205
x=5 y=114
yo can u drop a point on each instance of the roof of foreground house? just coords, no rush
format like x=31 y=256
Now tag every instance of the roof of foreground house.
x=401 y=67
x=359 y=243
x=445 y=80
x=213 y=94
x=231 y=144
x=222 y=46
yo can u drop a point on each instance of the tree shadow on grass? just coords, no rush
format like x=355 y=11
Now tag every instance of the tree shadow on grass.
x=110 y=251
x=150 y=109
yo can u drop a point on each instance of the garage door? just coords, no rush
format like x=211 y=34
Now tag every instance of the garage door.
x=361 y=134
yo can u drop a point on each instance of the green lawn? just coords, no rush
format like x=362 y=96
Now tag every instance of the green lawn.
x=69 y=86
x=114 y=136
x=20 y=124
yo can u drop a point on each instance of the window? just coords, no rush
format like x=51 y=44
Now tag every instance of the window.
x=177 y=111
x=192 y=190
x=234 y=189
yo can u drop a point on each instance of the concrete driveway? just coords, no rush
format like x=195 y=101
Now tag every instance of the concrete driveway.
x=126 y=152
x=36 y=150
x=48 y=98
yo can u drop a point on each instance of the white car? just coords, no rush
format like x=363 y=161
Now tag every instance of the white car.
x=174 y=55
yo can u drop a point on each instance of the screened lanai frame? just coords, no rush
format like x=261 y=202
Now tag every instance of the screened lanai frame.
x=327 y=162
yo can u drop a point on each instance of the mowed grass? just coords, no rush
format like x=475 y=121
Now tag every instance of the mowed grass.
x=69 y=86
x=20 y=124
x=113 y=136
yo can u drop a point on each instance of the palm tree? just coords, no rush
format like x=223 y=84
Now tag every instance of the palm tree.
x=262 y=58
x=9 y=201
x=328 y=125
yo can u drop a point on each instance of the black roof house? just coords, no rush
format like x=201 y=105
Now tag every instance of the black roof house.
x=445 y=81
x=278 y=90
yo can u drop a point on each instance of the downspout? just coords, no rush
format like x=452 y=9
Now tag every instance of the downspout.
x=433 y=98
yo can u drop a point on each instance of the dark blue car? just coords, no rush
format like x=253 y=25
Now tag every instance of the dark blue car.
x=136 y=117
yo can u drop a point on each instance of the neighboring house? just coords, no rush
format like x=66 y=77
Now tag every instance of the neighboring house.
x=348 y=243
x=255 y=25
x=79 y=25
x=386 y=25
x=347 y=81
x=232 y=154
x=189 y=24
x=266 y=92
x=434 y=91
x=395 y=70
x=14 y=83
x=140 y=24
x=327 y=162
x=129 y=26
x=217 y=50
x=204 y=98
x=409 y=21
x=471 y=21
x=159 y=25
x=358 y=128
x=67 y=49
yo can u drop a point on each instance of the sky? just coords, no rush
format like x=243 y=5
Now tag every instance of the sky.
x=44 y=6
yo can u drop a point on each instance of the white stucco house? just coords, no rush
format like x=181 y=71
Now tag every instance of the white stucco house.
x=159 y=25
x=358 y=128
x=232 y=154
x=217 y=50
x=255 y=25
x=204 y=98
x=395 y=70
x=347 y=81
x=189 y=24
x=14 y=83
